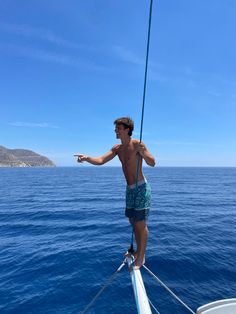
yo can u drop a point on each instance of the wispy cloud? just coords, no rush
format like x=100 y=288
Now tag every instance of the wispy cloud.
x=213 y=93
x=126 y=55
x=39 y=33
x=155 y=71
x=34 y=125
x=46 y=54
x=175 y=143
x=183 y=143
x=180 y=74
x=49 y=56
x=129 y=56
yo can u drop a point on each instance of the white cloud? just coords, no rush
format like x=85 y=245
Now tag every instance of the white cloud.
x=34 y=125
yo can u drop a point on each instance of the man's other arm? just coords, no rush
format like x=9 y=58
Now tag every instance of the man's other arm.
x=147 y=156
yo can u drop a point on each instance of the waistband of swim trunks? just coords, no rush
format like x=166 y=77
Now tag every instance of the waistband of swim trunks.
x=141 y=182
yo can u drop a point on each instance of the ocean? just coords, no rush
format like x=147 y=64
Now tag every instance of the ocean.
x=63 y=233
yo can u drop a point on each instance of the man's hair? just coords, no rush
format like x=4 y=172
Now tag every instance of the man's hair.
x=126 y=122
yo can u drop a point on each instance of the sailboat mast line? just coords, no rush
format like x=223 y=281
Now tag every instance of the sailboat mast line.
x=108 y=282
x=169 y=290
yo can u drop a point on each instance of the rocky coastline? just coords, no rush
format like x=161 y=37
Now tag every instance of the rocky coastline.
x=23 y=158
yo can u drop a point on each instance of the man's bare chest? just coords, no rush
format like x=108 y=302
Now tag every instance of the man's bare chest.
x=127 y=154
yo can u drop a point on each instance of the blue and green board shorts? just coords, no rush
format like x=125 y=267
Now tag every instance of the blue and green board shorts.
x=138 y=200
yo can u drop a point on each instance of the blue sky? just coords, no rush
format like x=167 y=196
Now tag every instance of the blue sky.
x=69 y=68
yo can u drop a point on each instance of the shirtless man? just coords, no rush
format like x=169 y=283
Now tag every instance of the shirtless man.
x=131 y=154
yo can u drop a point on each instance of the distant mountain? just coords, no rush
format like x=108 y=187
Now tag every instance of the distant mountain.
x=22 y=158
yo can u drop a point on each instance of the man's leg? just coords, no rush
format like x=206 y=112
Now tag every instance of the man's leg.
x=141 y=236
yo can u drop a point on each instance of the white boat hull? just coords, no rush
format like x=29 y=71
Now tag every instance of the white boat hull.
x=227 y=306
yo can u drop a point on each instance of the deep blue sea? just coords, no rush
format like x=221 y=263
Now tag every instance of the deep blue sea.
x=63 y=233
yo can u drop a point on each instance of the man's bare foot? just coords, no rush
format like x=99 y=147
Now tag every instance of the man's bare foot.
x=138 y=262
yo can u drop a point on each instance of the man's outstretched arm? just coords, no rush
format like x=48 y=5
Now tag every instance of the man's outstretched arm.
x=98 y=160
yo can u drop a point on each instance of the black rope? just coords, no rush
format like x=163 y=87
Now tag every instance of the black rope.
x=131 y=249
x=143 y=104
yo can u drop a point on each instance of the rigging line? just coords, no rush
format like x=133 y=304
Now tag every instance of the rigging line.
x=145 y=84
x=155 y=309
x=169 y=290
x=146 y=68
x=144 y=97
x=108 y=282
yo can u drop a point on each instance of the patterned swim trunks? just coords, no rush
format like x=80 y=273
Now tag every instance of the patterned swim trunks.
x=138 y=200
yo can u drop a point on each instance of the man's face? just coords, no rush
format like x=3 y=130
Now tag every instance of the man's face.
x=121 y=131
